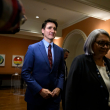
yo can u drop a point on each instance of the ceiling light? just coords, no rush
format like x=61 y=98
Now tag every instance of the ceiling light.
x=33 y=32
x=37 y=16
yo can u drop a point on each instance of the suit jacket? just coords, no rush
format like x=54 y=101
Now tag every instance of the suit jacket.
x=85 y=89
x=37 y=73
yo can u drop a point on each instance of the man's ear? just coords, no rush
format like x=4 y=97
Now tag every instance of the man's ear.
x=42 y=30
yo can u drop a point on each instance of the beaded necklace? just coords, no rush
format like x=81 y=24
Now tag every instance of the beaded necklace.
x=107 y=71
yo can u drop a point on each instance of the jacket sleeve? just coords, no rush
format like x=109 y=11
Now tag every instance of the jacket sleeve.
x=26 y=72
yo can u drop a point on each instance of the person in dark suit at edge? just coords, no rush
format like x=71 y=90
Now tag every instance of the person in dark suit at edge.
x=66 y=53
x=43 y=71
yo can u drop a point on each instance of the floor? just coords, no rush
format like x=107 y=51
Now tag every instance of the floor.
x=11 y=101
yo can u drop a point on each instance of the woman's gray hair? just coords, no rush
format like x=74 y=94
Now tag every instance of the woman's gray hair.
x=91 y=39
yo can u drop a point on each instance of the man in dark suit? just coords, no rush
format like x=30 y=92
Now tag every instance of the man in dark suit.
x=66 y=53
x=43 y=71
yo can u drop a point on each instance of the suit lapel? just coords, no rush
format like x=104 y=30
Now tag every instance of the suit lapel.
x=43 y=51
x=92 y=64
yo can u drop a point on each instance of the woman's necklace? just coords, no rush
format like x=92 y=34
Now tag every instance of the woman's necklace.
x=107 y=71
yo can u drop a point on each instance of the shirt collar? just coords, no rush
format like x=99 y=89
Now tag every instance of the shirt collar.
x=47 y=44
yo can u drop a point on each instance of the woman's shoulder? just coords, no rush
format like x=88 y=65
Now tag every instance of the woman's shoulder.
x=82 y=56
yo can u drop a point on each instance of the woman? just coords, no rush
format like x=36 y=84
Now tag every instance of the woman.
x=88 y=83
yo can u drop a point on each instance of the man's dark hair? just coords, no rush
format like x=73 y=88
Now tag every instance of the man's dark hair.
x=65 y=50
x=49 y=20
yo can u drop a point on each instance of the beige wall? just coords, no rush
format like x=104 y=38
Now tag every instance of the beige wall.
x=87 y=26
x=12 y=46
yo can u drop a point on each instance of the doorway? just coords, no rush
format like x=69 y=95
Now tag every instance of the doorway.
x=74 y=42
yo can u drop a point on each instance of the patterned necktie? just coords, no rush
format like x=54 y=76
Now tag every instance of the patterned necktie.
x=50 y=55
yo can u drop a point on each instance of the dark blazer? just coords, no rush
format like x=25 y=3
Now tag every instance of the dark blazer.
x=37 y=73
x=85 y=89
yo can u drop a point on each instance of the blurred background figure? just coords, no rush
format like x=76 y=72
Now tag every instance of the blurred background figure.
x=88 y=83
x=66 y=53
x=12 y=15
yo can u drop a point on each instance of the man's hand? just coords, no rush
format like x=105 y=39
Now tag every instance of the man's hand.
x=55 y=92
x=45 y=93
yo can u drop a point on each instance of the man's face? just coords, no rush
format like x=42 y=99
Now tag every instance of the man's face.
x=66 y=55
x=49 y=31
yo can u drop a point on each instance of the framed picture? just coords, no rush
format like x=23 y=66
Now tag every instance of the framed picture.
x=17 y=60
x=2 y=59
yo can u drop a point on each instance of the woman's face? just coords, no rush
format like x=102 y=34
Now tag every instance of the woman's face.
x=101 y=45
